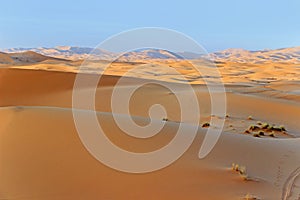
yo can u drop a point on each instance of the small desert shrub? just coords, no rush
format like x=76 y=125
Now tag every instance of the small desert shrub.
x=165 y=119
x=238 y=168
x=247 y=131
x=235 y=167
x=265 y=126
x=250 y=197
x=256 y=135
x=253 y=128
x=261 y=133
x=270 y=128
x=278 y=128
x=259 y=123
x=275 y=128
x=271 y=135
x=205 y=125
x=241 y=170
x=250 y=117
x=282 y=128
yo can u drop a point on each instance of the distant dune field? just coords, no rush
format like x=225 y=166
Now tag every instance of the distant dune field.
x=42 y=156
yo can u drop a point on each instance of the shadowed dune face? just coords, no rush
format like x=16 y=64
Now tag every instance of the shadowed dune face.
x=17 y=86
x=271 y=79
x=42 y=156
x=41 y=88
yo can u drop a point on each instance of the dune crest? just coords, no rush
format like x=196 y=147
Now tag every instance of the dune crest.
x=42 y=156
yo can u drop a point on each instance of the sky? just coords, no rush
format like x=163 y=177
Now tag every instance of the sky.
x=216 y=25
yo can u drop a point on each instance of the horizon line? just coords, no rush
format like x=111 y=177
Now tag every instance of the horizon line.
x=231 y=48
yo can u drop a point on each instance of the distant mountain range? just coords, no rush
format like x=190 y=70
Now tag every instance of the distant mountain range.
x=291 y=55
x=25 y=57
x=66 y=52
x=79 y=53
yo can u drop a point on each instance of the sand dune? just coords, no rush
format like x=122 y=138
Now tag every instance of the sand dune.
x=42 y=156
x=270 y=79
x=55 y=165
x=27 y=57
x=5 y=58
x=283 y=55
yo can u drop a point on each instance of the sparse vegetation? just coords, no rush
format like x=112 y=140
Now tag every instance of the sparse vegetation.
x=256 y=135
x=250 y=197
x=241 y=170
x=253 y=128
x=261 y=133
x=270 y=127
x=165 y=119
x=205 y=125
x=282 y=128
x=265 y=126
x=271 y=135
x=234 y=167
x=279 y=128
x=250 y=117
x=265 y=129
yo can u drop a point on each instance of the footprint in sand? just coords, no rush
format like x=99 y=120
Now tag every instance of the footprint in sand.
x=291 y=189
x=280 y=169
x=291 y=186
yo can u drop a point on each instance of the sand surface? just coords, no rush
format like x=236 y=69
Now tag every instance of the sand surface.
x=42 y=157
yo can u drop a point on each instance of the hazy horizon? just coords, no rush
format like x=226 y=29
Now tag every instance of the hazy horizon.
x=50 y=47
x=216 y=25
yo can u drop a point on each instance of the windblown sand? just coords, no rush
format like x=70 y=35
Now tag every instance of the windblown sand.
x=42 y=157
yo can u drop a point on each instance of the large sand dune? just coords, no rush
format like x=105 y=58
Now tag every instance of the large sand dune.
x=42 y=157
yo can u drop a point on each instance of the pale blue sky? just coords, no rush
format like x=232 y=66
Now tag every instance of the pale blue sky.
x=216 y=25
